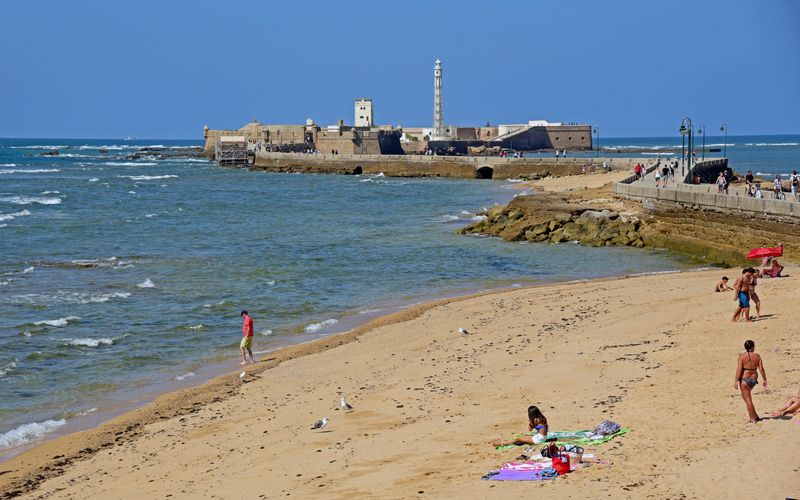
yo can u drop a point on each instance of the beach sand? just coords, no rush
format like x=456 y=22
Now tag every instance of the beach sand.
x=654 y=353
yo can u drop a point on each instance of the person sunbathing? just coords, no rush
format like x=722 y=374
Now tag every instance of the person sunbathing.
x=789 y=408
x=774 y=271
x=536 y=422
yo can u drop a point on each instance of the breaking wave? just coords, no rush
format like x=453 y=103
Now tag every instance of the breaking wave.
x=57 y=322
x=147 y=177
x=28 y=432
x=27 y=200
x=313 y=327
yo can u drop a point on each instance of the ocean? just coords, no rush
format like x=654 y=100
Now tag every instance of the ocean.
x=121 y=277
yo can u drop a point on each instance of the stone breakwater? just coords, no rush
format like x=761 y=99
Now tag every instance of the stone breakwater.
x=548 y=218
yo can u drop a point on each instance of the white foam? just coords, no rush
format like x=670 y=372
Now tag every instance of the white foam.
x=28 y=432
x=313 y=327
x=151 y=215
x=271 y=282
x=51 y=192
x=14 y=215
x=267 y=332
x=130 y=164
x=94 y=179
x=26 y=170
x=7 y=368
x=773 y=144
x=58 y=322
x=38 y=147
x=27 y=200
x=148 y=283
x=90 y=342
x=198 y=326
x=446 y=218
x=147 y=177
x=184 y=376
x=478 y=218
x=369 y=311
x=66 y=298
x=28 y=270
x=131 y=192
x=8 y=164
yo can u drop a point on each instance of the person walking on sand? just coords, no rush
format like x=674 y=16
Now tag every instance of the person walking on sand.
x=742 y=289
x=247 y=338
x=747 y=367
x=753 y=295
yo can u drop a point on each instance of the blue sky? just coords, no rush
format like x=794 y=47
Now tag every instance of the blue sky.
x=105 y=69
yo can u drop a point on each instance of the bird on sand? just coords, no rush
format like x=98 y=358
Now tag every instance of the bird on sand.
x=463 y=331
x=344 y=405
x=242 y=375
x=320 y=424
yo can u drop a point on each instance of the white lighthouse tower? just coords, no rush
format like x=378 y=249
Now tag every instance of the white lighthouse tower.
x=437 y=100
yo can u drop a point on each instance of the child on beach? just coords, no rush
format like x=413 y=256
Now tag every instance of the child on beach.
x=247 y=338
x=722 y=286
x=537 y=422
x=747 y=367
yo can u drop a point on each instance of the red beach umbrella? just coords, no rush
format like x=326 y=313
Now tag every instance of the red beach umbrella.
x=758 y=253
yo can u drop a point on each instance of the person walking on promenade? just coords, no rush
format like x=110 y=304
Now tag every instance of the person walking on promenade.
x=638 y=171
x=778 y=187
x=794 y=182
x=742 y=289
x=746 y=377
x=247 y=338
x=721 y=181
x=665 y=175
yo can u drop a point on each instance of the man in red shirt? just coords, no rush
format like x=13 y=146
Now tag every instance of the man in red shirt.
x=247 y=338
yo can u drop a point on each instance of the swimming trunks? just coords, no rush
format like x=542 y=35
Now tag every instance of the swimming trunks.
x=246 y=343
x=744 y=299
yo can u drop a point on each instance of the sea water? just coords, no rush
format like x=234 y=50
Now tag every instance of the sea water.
x=118 y=274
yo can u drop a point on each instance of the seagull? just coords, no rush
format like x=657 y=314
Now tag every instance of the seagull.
x=463 y=331
x=344 y=404
x=320 y=424
x=242 y=375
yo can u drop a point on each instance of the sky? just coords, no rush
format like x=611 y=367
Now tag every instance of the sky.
x=164 y=69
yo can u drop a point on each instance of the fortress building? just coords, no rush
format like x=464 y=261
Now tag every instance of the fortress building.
x=364 y=137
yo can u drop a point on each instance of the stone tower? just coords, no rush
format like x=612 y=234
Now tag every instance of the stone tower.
x=437 y=99
x=363 y=112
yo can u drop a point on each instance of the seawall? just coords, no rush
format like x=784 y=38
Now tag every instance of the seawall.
x=461 y=167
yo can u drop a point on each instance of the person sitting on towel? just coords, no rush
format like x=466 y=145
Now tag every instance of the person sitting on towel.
x=536 y=422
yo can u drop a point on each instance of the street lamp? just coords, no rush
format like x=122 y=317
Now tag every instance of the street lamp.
x=703 y=131
x=724 y=128
x=686 y=130
x=597 y=136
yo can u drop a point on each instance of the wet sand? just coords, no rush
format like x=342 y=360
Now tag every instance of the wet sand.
x=654 y=353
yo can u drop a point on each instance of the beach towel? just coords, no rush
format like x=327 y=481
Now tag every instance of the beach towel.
x=573 y=437
x=521 y=475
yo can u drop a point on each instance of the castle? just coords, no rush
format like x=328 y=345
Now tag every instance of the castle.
x=364 y=137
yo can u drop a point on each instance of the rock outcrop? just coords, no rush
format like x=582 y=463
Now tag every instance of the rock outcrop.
x=550 y=218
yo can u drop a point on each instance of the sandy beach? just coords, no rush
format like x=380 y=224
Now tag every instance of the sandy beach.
x=654 y=353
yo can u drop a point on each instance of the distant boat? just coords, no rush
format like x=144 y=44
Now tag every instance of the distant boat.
x=130 y=138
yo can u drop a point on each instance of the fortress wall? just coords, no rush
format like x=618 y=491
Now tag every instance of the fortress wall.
x=462 y=167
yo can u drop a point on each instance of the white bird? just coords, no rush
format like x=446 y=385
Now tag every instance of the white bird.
x=320 y=424
x=463 y=331
x=243 y=375
x=344 y=404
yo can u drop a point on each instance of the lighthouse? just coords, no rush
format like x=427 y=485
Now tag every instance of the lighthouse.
x=437 y=100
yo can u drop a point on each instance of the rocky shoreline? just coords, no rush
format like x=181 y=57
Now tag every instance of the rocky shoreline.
x=554 y=219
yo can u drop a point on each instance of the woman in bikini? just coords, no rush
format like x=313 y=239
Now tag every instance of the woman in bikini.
x=536 y=422
x=747 y=367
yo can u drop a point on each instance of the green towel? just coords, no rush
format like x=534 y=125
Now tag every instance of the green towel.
x=571 y=437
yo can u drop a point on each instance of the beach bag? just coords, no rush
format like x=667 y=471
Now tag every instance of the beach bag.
x=559 y=459
x=606 y=428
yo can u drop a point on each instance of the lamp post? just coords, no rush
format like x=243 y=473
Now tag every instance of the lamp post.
x=703 y=131
x=724 y=128
x=597 y=137
x=686 y=130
